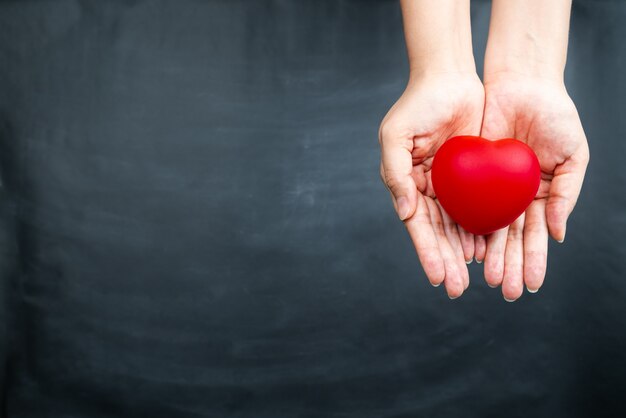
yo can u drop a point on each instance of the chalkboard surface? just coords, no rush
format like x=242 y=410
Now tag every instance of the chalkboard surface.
x=192 y=224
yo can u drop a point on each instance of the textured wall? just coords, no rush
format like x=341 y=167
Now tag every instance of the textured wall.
x=193 y=224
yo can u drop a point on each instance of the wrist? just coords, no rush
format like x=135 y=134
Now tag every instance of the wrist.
x=454 y=86
x=434 y=73
x=438 y=37
x=445 y=53
x=523 y=57
x=523 y=82
x=520 y=63
x=528 y=38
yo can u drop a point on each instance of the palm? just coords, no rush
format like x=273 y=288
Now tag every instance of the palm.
x=542 y=115
x=416 y=126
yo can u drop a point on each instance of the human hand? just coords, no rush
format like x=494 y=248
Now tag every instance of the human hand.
x=525 y=98
x=432 y=109
x=539 y=112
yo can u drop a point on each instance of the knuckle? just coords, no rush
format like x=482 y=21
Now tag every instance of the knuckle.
x=515 y=234
x=513 y=275
x=391 y=181
x=395 y=182
x=421 y=218
x=390 y=133
x=534 y=225
x=438 y=227
x=449 y=226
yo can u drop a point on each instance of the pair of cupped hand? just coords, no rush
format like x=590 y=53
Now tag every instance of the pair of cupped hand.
x=437 y=107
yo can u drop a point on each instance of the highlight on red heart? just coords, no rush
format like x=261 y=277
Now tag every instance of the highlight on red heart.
x=485 y=185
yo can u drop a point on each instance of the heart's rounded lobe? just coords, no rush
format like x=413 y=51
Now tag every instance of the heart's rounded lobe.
x=485 y=185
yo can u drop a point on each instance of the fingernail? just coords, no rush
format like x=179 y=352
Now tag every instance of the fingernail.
x=403 y=207
x=479 y=261
x=562 y=239
x=493 y=287
x=531 y=290
x=436 y=285
x=469 y=261
x=452 y=297
x=509 y=300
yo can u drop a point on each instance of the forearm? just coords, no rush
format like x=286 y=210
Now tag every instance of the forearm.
x=528 y=37
x=438 y=36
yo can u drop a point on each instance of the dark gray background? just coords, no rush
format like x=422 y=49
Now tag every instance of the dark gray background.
x=192 y=224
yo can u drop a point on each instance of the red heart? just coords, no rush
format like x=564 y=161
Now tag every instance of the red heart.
x=485 y=185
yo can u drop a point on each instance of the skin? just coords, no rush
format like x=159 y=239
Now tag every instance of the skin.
x=444 y=98
x=540 y=113
x=523 y=97
x=447 y=105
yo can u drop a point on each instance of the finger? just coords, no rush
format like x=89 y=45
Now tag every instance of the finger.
x=480 y=248
x=400 y=204
x=396 y=169
x=564 y=190
x=513 y=280
x=453 y=278
x=467 y=242
x=535 y=245
x=452 y=234
x=423 y=237
x=494 y=257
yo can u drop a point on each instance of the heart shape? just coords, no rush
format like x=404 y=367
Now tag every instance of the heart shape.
x=485 y=185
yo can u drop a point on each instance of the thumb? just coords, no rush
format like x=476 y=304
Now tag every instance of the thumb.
x=396 y=169
x=564 y=191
